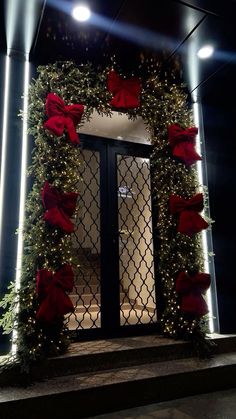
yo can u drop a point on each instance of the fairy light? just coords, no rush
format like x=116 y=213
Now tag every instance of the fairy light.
x=163 y=104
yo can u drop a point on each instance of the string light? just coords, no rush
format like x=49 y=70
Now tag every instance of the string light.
x=57 y=161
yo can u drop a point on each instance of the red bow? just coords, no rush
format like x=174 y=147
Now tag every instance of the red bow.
x=190 y=222
x=51 y=290
x=182 y=143
x=62 y=116
x=191 y=290
x=125 y=92
x=59 y=207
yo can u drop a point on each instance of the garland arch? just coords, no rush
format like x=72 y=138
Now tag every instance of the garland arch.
x=55 y=161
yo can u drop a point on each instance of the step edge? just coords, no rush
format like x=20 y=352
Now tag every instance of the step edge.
x=171 y=375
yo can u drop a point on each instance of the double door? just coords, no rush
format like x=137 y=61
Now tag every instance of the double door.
x=114 y=291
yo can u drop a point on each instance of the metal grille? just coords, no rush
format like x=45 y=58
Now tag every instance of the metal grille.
x=136 y=264
x=86 y=245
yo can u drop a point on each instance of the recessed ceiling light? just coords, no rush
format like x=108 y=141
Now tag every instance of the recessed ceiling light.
x=81 y=13
x=205 y=52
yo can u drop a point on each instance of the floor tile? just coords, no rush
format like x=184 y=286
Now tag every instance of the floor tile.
x=217 y=405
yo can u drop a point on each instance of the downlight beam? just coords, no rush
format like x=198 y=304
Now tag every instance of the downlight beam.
x=21 y=21
x=23 y=182
x=193 y=64
x=206 y=236
x=4 y=140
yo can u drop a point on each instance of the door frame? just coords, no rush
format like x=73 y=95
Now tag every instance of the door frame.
x=110 y=281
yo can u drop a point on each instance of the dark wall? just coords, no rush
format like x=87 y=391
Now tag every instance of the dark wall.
x=219 y=112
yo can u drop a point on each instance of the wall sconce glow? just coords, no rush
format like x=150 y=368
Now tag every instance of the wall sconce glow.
x=205 y=52
x=81 y=13
x=24 y=151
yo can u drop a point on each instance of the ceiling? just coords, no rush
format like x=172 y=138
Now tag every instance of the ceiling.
x=170 y=29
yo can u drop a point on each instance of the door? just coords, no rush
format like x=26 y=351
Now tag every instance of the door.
x=114 y=291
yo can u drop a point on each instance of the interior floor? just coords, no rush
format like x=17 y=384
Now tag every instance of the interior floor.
x=91 y=319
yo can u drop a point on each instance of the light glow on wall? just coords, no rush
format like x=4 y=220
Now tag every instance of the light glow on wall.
x=198 y=142
x=4 y=139
x=205 y=247
x=193 y=64
x=23 y=15
x=23 y=178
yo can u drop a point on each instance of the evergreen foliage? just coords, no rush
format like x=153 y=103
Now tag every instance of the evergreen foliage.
x=57 y=161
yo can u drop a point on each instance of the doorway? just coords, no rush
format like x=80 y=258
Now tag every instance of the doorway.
x=114 y=292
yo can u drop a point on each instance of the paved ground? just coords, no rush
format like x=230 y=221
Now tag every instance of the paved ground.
x=218 y=405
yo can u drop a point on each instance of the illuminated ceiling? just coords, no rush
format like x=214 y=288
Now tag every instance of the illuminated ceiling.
x=172 y=29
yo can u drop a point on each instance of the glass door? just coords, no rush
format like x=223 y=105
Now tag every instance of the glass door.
x=86 y=241
x=113 y=241
x=136 y=260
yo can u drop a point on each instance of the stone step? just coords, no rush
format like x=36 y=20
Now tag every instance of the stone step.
x=85 y=258
x=96 y=392
x=88 y=259
x=86 y=252
x=95 y=308
x=128 y=351
x=91 y=285
x=87 y=272
x=92 y=288
x=83 y=281
x=85 y=299
x=90 y=298
x=96 y=355
x=89 y=308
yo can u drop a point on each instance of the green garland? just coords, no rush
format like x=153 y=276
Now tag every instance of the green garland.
x=57 y=161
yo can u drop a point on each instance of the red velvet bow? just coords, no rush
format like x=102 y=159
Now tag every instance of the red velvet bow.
x=125 y=92
x=51 y=289
x=191 y=290
x=190 y=222
x=182 y=142
x=59 y=207
x=62 y=116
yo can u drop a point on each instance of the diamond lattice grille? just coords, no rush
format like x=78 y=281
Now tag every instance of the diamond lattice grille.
x=137 y=284
x=86 y=245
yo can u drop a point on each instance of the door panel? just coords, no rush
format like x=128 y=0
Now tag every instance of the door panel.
x=113 y=241
x=136 y=261
x=87 y=246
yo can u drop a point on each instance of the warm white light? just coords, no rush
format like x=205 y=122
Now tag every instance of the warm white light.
x=22 y=190
x=205 y=52
x=81 y=13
